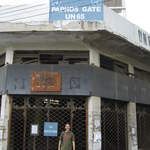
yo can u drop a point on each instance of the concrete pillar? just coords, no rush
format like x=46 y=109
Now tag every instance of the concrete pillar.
x=94 y=123
x=94 y=58
x=5 y=107
x=9 y=56
x=130 y=70
x=94 y=111
x=132 y=122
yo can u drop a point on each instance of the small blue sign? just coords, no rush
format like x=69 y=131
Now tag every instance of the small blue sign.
x=50 y=129
x=87 y=10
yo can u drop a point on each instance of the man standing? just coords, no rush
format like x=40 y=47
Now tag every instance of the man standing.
x=67 y=139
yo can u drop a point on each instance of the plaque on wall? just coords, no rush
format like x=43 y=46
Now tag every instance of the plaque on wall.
x=46 y=82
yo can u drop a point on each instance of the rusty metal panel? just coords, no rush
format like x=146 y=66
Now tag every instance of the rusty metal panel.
x=46 y=82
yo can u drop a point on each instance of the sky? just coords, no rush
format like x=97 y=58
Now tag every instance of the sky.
x=138 y=11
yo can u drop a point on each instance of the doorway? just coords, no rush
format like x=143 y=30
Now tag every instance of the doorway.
x=30 y=110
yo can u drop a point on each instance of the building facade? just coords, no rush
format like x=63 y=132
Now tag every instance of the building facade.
x=91 y=74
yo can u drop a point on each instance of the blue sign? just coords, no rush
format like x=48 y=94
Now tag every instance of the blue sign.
x=50 y=129
x=87 y=10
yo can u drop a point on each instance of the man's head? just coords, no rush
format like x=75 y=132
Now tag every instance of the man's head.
x=67 y=127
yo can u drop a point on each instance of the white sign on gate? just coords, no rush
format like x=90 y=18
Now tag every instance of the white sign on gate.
x=34 y=129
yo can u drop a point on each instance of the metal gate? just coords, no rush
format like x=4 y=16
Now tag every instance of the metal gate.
x=114 y=125
x=143 y=126
x=39 y=109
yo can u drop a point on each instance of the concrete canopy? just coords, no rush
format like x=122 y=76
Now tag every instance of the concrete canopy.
x=87 y=35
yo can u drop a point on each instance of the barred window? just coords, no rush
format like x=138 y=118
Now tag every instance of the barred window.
x=149 y=40
x=145 y=38
x=140 y=35
x=2 y=60
x=113 y=65
x=51 y=57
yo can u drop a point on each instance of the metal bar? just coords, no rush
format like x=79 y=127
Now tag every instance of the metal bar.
x=86 y=107
x=114 y=125
x=117 y=120
x=25 y=123
x=51 y=108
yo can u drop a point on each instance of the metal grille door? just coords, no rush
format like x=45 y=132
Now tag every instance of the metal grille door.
x=37 y=110
x=114 y=125
x=143 y=127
